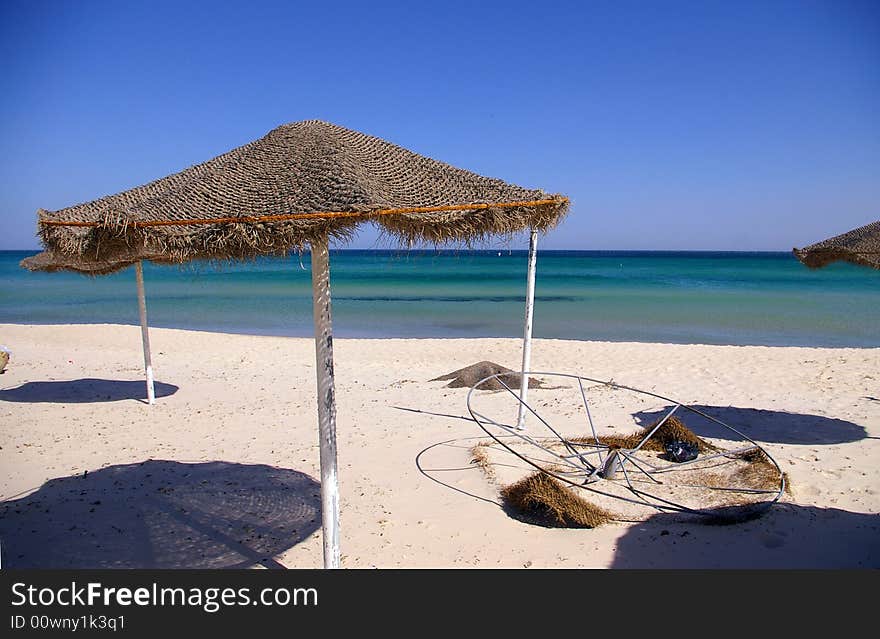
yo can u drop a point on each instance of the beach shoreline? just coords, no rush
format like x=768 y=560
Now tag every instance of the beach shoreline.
x=72 y=403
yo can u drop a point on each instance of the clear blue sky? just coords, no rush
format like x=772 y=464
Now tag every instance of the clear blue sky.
x=751 y=125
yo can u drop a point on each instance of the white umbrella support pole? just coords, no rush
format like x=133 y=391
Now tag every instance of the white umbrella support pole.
x=326 y=400
x=145 y=331
x=527 y=330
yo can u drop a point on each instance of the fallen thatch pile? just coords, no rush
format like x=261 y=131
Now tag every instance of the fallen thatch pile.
x=468 y=376
x=673 y=429
x=761 y=473
x=480 y=457
x=546 y=500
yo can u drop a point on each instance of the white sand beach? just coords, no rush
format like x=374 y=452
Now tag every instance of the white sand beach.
x=71 y=404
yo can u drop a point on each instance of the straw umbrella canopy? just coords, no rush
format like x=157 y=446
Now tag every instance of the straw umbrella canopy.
x=300 y=183
x=859 y=246
x=300 y=186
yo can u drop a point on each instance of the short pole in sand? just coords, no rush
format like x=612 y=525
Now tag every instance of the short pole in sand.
x=145 y=331
x=527 y=330
x=326 y=400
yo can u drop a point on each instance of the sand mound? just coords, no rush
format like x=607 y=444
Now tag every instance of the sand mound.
x=468 y=376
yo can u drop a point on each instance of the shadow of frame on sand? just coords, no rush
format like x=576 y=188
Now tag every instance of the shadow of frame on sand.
x=84 y=391
x=769 y=426
x=788 y=536
x=161 y=514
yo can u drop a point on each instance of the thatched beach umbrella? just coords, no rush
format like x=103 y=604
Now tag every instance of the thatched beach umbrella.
x=859 y=246
x=298 y=187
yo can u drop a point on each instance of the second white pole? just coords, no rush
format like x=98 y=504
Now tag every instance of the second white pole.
x=527 y=329
x=145 y=331
x=326 y=400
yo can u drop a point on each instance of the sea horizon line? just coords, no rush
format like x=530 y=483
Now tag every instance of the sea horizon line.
x=507 y=250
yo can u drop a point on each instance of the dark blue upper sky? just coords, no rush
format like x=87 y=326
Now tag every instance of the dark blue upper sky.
x=751 y=125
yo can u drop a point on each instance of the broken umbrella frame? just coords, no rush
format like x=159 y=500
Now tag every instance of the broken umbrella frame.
x=587 y=465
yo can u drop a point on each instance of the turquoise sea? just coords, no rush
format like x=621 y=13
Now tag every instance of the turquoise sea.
x=680 y=297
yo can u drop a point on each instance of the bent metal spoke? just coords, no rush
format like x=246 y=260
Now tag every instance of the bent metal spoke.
x=543 y=421
x=515 y=432
x=590 y=417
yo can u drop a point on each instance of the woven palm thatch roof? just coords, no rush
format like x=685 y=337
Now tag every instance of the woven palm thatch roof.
x=859 y=246
x=298 y=183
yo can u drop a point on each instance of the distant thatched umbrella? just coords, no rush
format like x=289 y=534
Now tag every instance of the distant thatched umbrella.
x=50 y=261
x=859 y=246
x=297 y=187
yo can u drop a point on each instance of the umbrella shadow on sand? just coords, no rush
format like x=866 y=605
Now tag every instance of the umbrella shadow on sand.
x=769 y=426
x=161 y=514
x=788 y=536
x=84 y=391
